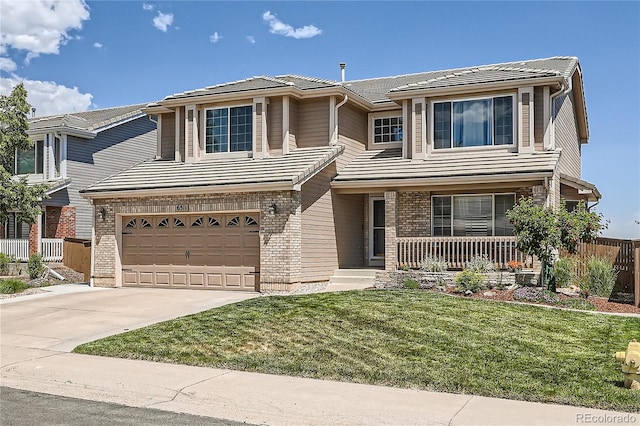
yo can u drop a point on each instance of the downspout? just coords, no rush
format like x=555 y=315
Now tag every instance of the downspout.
x=565 y=88
x=334 y=139
x=158 y=155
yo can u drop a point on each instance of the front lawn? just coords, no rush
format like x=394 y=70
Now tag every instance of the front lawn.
x=411 y=339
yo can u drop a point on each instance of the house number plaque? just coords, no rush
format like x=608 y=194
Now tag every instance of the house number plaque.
x=182 y=208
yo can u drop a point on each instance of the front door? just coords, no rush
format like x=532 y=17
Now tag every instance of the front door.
x=376 y=231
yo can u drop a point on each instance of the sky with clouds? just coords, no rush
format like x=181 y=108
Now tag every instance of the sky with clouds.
x=74 y=55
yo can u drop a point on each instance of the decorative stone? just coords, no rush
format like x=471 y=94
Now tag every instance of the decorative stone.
x=489 y=293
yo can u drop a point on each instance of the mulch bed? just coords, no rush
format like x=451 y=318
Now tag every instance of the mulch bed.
x=601 y=304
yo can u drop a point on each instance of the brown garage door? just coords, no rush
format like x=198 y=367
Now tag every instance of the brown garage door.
x=215 y=251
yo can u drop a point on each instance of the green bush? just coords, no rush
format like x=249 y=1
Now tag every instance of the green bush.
x=564 y=272
x=581 y=304
x=35 y=266
x=433 y=264
x=481 y=264
x=600 y=277
x=473 y=281
x=4 y=264
x=12 y=285
x=411 y=284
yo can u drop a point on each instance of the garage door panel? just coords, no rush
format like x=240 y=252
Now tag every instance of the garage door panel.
x=192 y=251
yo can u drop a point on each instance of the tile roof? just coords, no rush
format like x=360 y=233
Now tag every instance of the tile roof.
x=290 y=169
x=375 y=90
x=389 y=165
x=86 y=120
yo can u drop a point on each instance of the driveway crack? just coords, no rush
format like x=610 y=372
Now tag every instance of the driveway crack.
x=181 y=390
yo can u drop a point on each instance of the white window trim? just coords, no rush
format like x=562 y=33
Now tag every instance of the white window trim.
x=386 y=114
x=240 y=154
x=514 y=119
x=493 y=207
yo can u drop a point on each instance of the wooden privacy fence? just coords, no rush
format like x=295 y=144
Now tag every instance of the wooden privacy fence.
x=623 y=254
x=457 y=251
x=77 y=255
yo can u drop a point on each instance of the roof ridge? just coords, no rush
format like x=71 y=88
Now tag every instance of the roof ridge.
x=309 y=78
x=464 y=68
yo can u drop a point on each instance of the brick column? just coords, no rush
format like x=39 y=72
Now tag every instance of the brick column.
x=105 y=247
x=539 y=195
x=280 y=240
x=390 y=230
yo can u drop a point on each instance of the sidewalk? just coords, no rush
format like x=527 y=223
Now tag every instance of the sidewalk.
x=277 y=400
x=37 y=335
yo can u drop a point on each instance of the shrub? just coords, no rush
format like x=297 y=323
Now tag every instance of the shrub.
x=583 y=305
x=434 y=264
x=35 y=266
x=600 y=277
x=12 y=285
x=480 y=264
x=4 y=264
x=473 y=281
x=564 y=272
x=411 y=284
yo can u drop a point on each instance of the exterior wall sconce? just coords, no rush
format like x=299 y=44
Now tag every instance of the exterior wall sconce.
x=102 y=213
x=273 y=209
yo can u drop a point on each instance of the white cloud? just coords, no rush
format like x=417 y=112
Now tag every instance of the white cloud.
x=276 y=26
x=215 y=37
x=163 y=21
x=147 y=6
x=6 y=64
x=251 y=39
x=48 y=97
x=40 y=26
x=97 y=45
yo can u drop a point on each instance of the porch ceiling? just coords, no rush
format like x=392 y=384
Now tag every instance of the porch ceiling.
x=387 y=167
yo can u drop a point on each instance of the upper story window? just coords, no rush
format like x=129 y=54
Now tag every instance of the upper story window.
x=30 y=161
x=229 y=129
x=387 y=129
x=474 y=122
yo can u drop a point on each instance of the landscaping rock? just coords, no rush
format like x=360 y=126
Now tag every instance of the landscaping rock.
x=489 y=293
x=571 y=291
x=468 y=293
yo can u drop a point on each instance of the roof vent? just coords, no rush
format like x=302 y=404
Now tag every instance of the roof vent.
x=342 y=73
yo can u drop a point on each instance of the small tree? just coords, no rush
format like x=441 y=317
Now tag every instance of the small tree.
x=15 y=194
x=540 y=231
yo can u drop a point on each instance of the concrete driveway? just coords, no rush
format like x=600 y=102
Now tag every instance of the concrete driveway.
x=35 y=326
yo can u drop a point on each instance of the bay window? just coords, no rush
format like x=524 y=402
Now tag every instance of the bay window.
x=471 y=215
x=474 y=122
x=229 y=129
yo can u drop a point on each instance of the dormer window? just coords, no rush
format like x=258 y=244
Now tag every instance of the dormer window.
x=229 y=129
x=30 y=161
x=473 y=122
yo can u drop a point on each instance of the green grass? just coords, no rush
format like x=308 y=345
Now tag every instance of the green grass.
x=410 y=339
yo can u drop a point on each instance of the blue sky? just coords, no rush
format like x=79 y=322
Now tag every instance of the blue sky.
x=76 y=56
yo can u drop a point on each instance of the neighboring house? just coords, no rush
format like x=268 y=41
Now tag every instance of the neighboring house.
x=70 y=152
x=270 y=182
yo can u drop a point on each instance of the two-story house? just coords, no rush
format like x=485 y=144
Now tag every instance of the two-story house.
x=71 y=152
x=270 y=182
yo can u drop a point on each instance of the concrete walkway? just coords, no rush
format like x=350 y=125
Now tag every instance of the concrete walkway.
x=38 y=333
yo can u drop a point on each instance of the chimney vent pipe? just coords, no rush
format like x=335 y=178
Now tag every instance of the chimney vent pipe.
x=342 y=73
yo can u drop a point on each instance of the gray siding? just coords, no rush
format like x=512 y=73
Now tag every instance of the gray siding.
x=113 y=150
x=566 y=135
x=293 y=124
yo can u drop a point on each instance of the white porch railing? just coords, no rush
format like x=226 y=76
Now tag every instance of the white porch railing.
x=51 y=249
x=16 y=248
x=457 y=251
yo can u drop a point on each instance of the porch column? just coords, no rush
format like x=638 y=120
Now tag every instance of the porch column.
x=390 y=230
